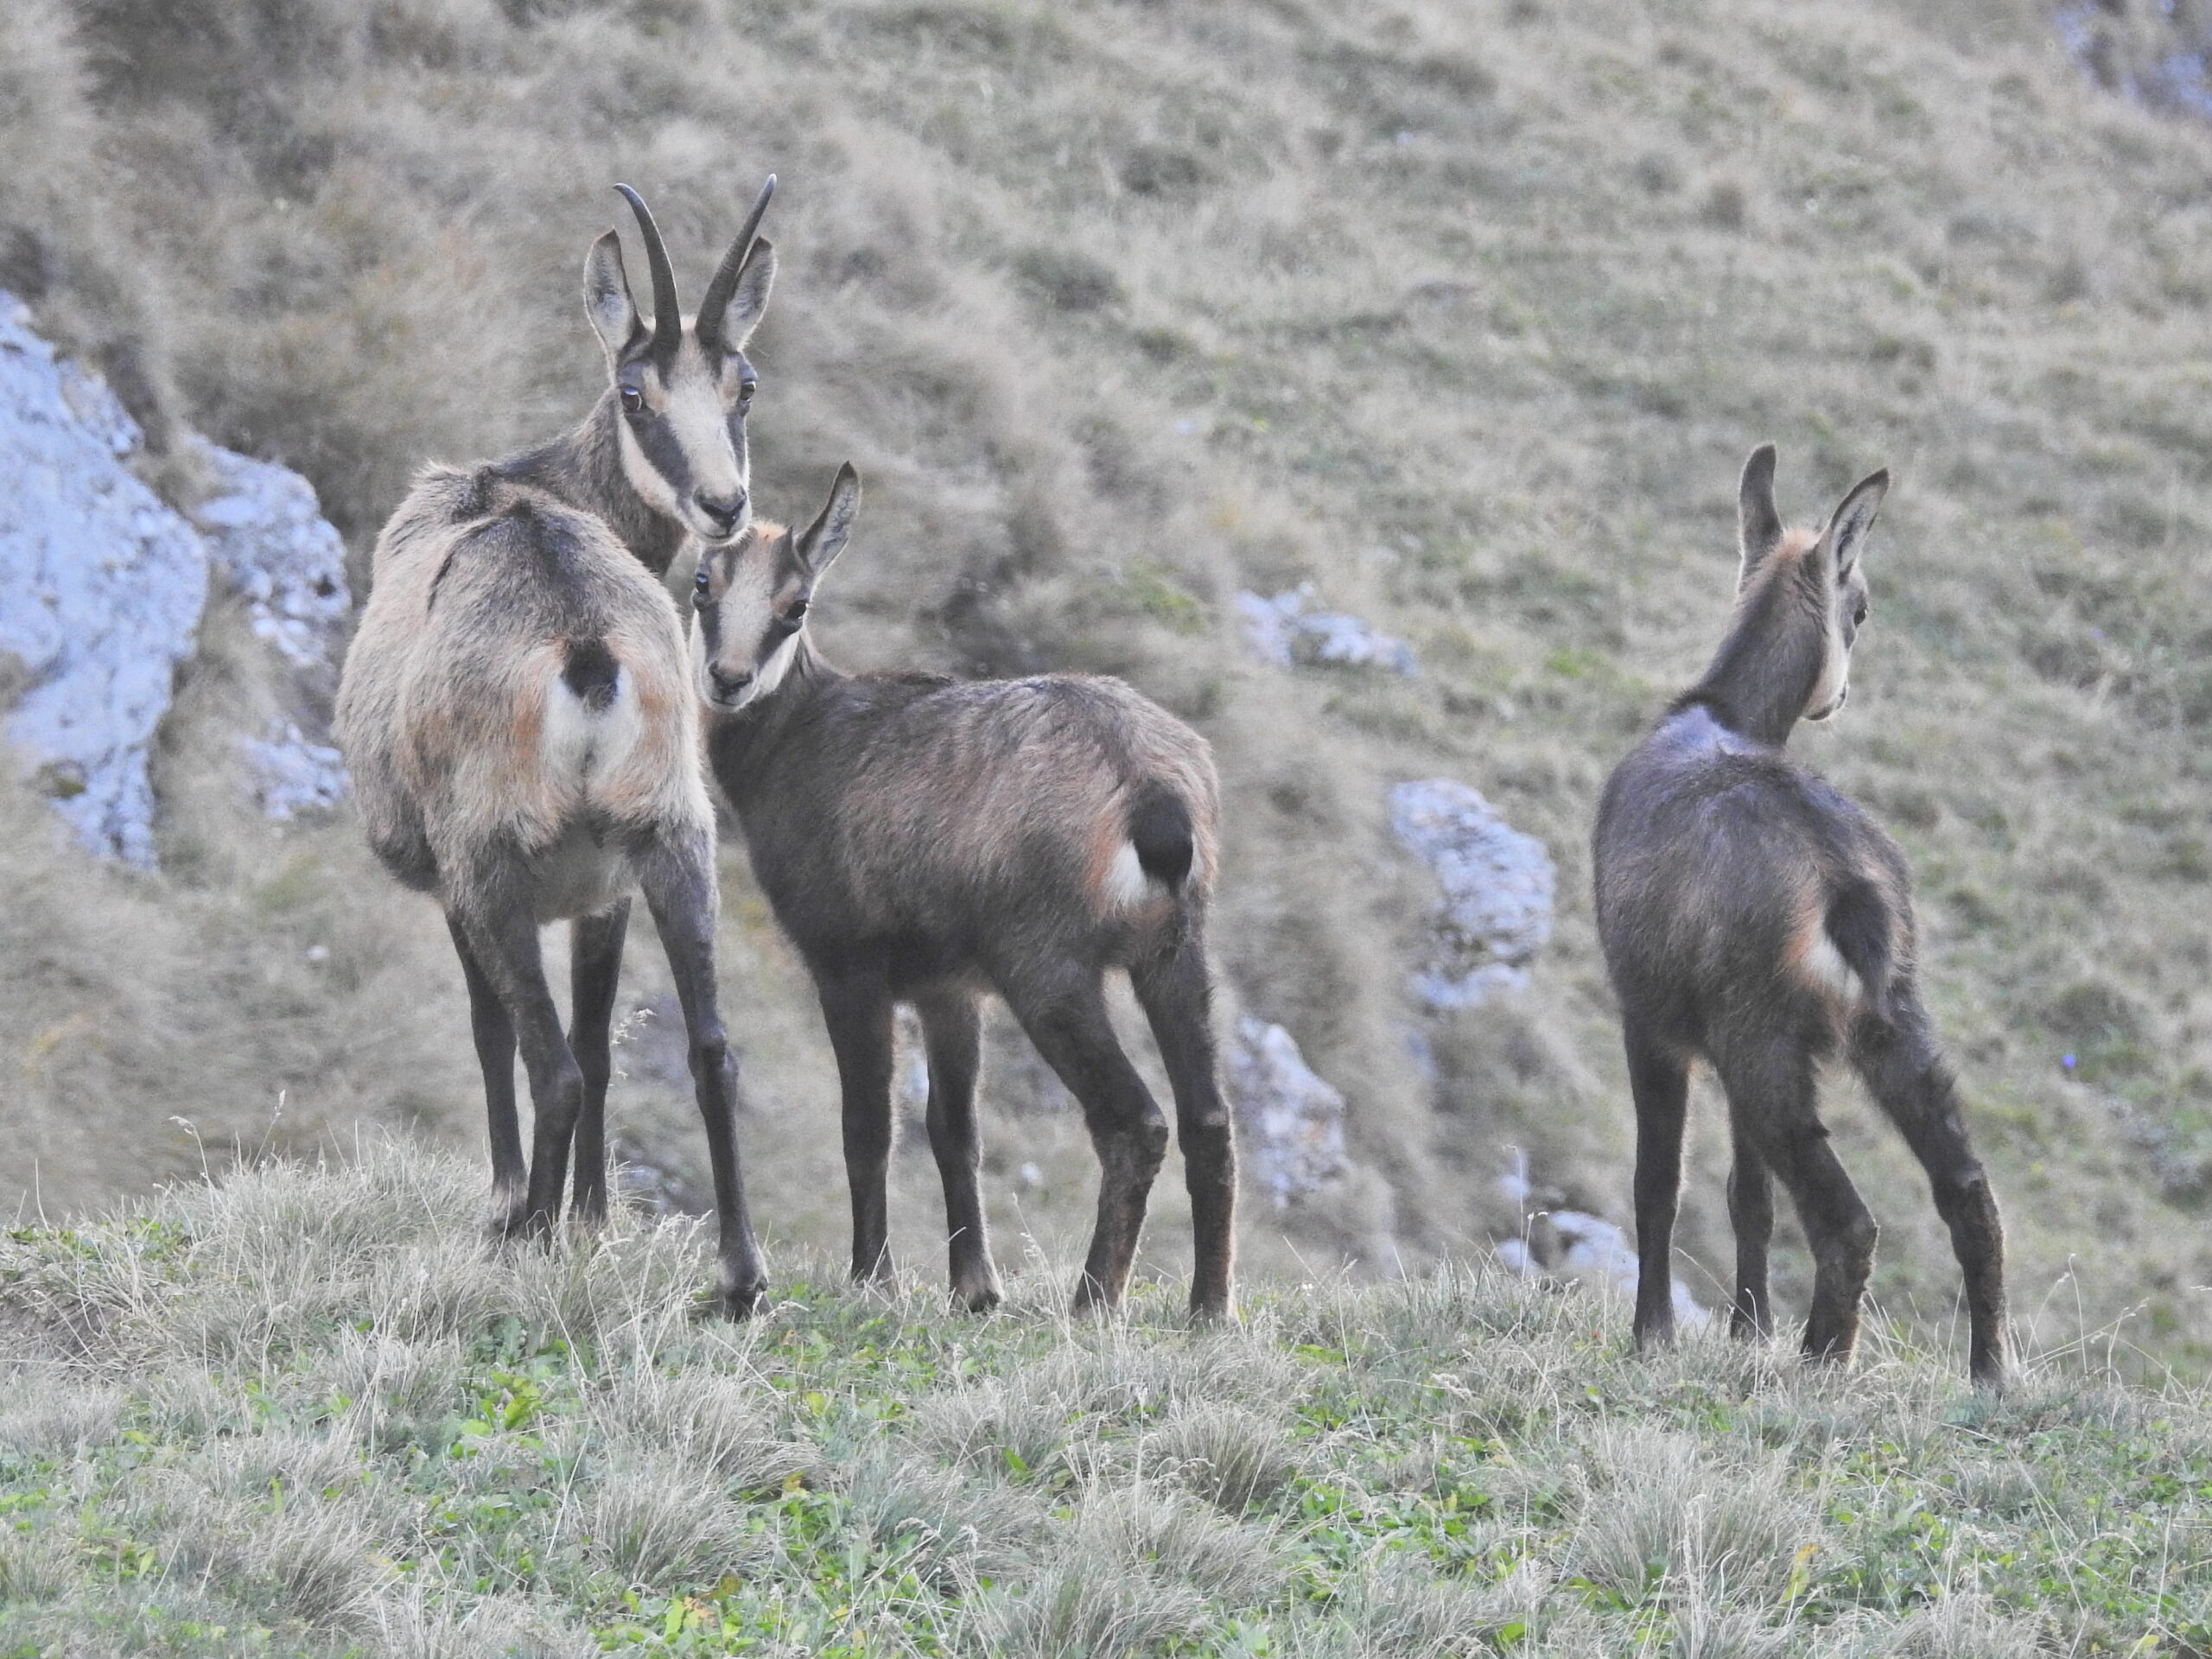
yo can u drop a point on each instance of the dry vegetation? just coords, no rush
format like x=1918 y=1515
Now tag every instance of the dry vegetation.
x=303 y=1412
x=1466 y=312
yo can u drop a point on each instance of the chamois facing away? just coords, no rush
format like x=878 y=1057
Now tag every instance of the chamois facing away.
x=924 y=841
x=517 y=717
x=1754 y=917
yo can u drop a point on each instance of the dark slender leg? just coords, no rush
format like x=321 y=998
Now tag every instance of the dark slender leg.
x=857 y=1007
x=1906 y=1075
x=1770 y=1091
x=1176 y=991
x=503 y=938
x=1660 y=1083
x=1067 y=1020
x=1751 y=1212
x=677 y=879
x=594 y=970
x=495 y=1056
x=952 y=1021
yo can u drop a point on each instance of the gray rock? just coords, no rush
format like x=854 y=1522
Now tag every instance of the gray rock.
x=1284 y=632
x=1290 y=1121
x=101 y=589
x=1498 y=886
x=1578 y=1245
x=103 y=585
x=272 y=544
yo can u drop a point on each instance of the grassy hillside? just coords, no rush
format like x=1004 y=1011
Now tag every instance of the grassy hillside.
x=1467 y=313
x=302 y=1412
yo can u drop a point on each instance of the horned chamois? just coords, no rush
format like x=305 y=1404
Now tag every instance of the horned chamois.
x=517 y=714
x=1754 y=917
x=924 y=841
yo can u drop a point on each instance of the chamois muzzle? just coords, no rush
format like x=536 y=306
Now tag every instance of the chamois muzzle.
x=721 y=511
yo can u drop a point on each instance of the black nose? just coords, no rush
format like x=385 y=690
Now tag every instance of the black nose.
x=722 y=510
x=726 y=684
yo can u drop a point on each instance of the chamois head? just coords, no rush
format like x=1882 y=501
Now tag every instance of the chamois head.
x=1808 y=577
x=682 y=385
x=750 y=599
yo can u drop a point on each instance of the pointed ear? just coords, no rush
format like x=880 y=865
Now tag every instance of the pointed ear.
x=1845 y=535
x=607 y=297
x=749 y=301
x=1758 y=525
x=822 y=541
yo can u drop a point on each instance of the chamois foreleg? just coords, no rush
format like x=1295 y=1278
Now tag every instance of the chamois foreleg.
x=503 y=939
x=1770 y=1091
x=594 y=970
x=494 y=1031
x=1175 y=988
x=1069 y=1024
x=857 y=1007
x=952 y=1023
x=1659 y=1082
x=677 y=878
x=1897 y=1058
x=1751 y=1215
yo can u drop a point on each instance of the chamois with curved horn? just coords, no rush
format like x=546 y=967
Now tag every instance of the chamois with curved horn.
x=516 y=713
x=662 y=455
x=1754 y=917
x=924 y=841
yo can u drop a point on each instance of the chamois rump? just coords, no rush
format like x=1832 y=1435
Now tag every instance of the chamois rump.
x=516 y=713
x=926 y=841
x=1754 y=917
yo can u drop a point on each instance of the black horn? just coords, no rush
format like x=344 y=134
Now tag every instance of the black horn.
x=732 y=266
x=668 y=320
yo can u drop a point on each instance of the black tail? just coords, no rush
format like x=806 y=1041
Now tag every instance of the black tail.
x=1160 y=830
x=1858 y=922
x=591 y=672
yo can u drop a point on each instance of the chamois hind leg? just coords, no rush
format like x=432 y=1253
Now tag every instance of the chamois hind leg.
x=1068 y=1022
x=502 y=938
x=1660 y=1083
x=952 y=1022
x=856 y=1006
x=1897 y=1058
x=1771 y=1092
x=594 y=970
x=677 y=878
x=494 y=1031
x=1750 y=1214
x=1176 y=990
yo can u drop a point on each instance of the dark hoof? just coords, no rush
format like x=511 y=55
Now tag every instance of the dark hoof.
x=977 y=1296
x=742 y=1301
x=1210 y=1310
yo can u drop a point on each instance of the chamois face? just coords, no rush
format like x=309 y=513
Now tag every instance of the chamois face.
x=683 y=387
x=1808 y=580
x=750 y=600
x=1847 y=613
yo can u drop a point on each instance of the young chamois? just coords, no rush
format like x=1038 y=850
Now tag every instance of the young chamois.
x=1753 y=917
x=516 y=713
x=924 y=841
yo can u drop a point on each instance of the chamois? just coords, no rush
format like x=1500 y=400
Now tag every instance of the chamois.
x=924 y=841
x=1754 y=916
x=517 y=714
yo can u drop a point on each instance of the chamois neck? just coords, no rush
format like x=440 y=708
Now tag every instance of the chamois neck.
x=584 y=468
x=750 y=736
x=1757 y=683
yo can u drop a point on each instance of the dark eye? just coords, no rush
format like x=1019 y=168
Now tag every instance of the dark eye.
x=745 y=389
x=1858 y=616
x=633 y=401
x=797 y=615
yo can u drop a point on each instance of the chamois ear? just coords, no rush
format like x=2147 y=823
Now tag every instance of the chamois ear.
x=1846 y=532
x=822 y=541
x=749 y=301
x=1760 y=525
x=613 y=314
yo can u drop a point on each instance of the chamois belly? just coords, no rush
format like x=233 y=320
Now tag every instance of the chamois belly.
x=582 y=871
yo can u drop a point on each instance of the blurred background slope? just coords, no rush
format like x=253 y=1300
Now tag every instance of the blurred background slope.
x=1465 y=313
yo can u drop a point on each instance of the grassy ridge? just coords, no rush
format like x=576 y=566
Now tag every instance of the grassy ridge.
x=301 y=1411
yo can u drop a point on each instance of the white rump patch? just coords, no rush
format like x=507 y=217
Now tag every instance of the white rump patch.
x=1127 y=884
x=1825 y=966
x=580 y=742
